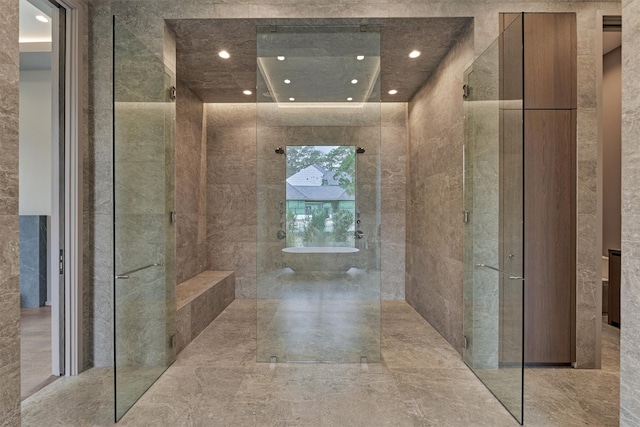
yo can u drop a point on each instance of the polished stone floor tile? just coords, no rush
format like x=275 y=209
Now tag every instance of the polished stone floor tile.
x=83 y=400
x=35 y=350
x=421 y=381
x=216 y=381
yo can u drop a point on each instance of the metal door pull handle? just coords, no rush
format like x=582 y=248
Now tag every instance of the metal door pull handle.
x=126 y=275
x=499 y=271
x=489 y=267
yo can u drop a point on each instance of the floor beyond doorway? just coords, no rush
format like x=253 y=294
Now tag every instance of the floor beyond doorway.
x=35 y=350
x=215 y=381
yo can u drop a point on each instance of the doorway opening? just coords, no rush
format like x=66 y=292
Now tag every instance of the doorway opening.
x=610 y=170
x=50 y=207
x=611 y=128
x=41 y=47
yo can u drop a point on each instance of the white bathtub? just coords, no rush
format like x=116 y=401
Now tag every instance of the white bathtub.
x=314 y=258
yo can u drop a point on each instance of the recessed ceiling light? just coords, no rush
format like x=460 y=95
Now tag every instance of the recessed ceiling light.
x=280 y=58
x=393 y=92
x=247 y=92
x=354 y=81
x=360 y=57
x=287 y=81
x=224 y=54
x=349 y=99
x=42 y=18
x=414 y=54
x=292 y=99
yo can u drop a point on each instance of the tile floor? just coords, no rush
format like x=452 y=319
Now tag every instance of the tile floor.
x=422 y=381
x=315 y=316
x=35 y=350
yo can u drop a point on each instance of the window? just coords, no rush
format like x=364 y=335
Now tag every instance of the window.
x=320 y=195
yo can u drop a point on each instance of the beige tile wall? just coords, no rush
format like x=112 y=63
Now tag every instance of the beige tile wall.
x=435 y=271
x=9 y=228
x=191 y=182
x=232 y=196
x=231 y=192
x=630 y=292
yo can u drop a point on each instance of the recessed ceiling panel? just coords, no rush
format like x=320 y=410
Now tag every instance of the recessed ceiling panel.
x=318 y=64
x=215 y=79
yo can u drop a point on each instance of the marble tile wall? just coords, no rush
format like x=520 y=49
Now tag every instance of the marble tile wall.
x=191 y=180
x=141 y=230
x=630 y=285
x=393 y=151
x=232 y=195
x=98 y=191
x=146 y=19
x=481 y=235
x=589 y=223
x=9 y=224
x=434 y=207
x=33 y=260
x=144 y=182
x=86 y=264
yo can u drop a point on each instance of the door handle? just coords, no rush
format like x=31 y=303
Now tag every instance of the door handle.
x=499 y=271
x=125 y=276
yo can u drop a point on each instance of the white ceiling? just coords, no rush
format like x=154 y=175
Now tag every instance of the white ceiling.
x=32 y=30
x=35 y=36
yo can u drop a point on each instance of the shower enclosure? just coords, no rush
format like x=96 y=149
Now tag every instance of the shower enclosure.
x=318 y=185
x=144 y=243
x=493 y=199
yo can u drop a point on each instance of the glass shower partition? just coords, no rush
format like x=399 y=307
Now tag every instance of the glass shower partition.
x=493 y=200
x=318 y=194
x=143 y=182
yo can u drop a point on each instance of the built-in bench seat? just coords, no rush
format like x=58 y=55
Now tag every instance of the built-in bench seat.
x=199 y=300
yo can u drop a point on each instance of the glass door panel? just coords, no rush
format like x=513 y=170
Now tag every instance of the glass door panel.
x=143 y=182
x=493 y=198
x=318 y=183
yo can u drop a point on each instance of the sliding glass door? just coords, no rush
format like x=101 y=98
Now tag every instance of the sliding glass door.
x=493 y=198
x=318 y=183
x=143 y=181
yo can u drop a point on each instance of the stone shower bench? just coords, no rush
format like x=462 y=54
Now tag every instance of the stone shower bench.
x=199 y=300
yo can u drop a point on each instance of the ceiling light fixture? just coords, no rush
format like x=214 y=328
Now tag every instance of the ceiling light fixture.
x=292 y=99
x=414 y=54
x=247 y=92
x=354 y=81
x=280 y=58
x=224 y=54
x=360 y=57
x=349 y=99
x=393 y=92
x=42 y=18
x=287 y=81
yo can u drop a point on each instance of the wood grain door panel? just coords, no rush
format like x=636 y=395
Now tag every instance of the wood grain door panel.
x=550 y=60
x=549 y=238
